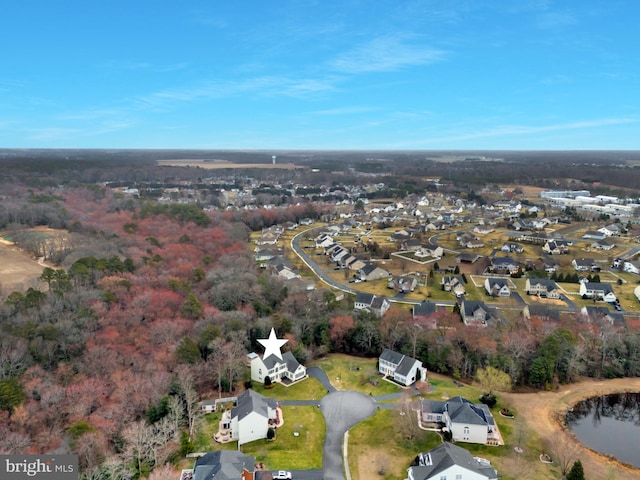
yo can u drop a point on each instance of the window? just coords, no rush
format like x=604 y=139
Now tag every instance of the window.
x=458 y=476
x=466 y=430
x=443 y=477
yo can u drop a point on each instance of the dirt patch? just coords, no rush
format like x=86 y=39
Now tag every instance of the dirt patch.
x=376 y=460
x=544 y=412
x=17 y=269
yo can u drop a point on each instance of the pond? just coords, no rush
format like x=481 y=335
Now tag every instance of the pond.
x=609 y=424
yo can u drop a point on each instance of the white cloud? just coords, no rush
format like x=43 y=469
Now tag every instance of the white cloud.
x=385 y=54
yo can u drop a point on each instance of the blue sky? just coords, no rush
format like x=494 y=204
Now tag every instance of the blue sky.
x=348 y=74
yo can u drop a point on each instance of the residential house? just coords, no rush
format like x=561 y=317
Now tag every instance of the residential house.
x=251 y=418
x=324 y=240
x=611 y=230
x=267 y=238
x=474 y=313
x=450 y=462
x=453 y=284
x=465 y=257
x=483 y=229
x=402 y=368
x=497 y=287
x=556 y=247
x=601 y=315
x=403 y=283
x=372 y=272
x=544 y=312
x=282 y=370
x=604 y=245
x=503 y=265
x=467 y=422
x=429 y=250
x=542 y=287
x=511 y=247
x=424 y=312
x=593 y=235
x=224 y=465
x=597 y=291
x=474 y=243
x=371 y=303
x=631 y=267
x=585 y=264
x=549 y=264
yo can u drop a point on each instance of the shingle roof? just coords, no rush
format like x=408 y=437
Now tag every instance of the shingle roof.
x=222 y=465
x=443 y=457
x=250 y=401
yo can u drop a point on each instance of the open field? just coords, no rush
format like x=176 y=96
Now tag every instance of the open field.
x=219 y=164
x=17 y=269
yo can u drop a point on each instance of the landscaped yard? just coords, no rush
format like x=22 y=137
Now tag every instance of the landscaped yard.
x=354 y=373
x=298 y=443
x=309 y=389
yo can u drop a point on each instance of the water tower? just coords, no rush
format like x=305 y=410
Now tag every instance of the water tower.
x=273 y=159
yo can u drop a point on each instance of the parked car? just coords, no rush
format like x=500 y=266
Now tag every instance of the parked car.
x=282 y=475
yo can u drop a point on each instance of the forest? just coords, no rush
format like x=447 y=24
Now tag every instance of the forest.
x=148 y=308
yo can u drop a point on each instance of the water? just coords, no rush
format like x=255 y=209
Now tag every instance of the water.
x=609 y=424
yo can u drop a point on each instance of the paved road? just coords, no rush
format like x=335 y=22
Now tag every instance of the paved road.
x=341 y=410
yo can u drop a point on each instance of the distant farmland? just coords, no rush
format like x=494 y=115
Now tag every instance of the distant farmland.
x=17 y=269
x=220 y=164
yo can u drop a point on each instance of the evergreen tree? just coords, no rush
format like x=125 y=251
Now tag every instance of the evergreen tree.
x=576 y=472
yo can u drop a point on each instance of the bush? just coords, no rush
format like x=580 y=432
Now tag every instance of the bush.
x=489 y=399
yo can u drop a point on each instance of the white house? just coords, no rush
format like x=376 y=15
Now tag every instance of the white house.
x=631 y=267
x=542 y=287
x=450 y=462
x=371 y=303
x=403 y=369
x=467 y=422
x=286 y=370
x=599 y=291
x=453 y=284
x=251 y=418
x=372 y=272
x=497 y=287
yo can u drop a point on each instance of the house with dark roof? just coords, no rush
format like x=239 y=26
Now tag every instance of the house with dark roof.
x=467 y=422
x=593 y=314
x=503 y=265
x=402 y=368
x=450 y=462
x=371 y=303
x=224 y=465
x=542 y=287
x=544 y=312
x=286 y=370
x=497 y=287
x=453 y=284
x=474 y=313
x=424 y=310
x=597 y=291
x=403 y=283
x=372 y=272
x=584 y=264
x=556 y=247
x=251 y=418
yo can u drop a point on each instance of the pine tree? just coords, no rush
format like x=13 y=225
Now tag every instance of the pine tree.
x=576 y=472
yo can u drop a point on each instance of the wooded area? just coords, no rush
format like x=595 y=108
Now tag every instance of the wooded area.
x=151 y=307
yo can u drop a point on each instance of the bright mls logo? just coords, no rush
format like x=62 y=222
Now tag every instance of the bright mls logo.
x=38 y=467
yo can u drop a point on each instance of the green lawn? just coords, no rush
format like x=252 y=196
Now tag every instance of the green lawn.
x=381 y=443
x=354 y=373
x=309 y=389
x=289 y=451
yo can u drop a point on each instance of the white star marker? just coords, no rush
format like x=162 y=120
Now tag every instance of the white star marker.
x=272 y=345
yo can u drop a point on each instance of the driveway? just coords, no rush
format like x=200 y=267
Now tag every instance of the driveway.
x=341 y=410
x=321 y=376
